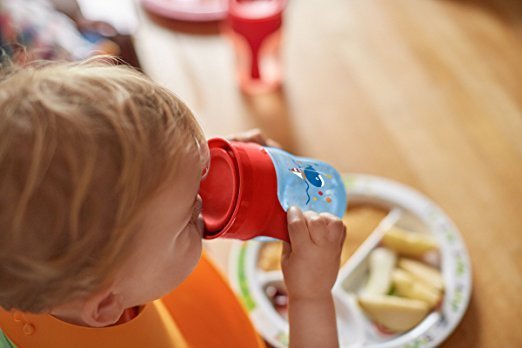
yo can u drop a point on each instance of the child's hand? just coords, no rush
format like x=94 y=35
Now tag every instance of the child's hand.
x=254 y=136
x=310 y=264
x=311 y=261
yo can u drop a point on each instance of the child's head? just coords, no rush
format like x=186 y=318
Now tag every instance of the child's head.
x=98 y=189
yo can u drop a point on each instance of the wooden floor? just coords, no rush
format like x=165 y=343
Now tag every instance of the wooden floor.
x=426 y=92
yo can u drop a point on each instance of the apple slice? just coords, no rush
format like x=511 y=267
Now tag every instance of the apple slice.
x=382 y=262
x=423 y=272
x=409 y=243
x=395 y=313
x=407 y=286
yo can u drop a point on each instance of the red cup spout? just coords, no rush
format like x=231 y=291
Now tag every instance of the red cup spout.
x=240 y=193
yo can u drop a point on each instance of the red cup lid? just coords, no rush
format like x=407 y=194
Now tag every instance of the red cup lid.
x=219 y=190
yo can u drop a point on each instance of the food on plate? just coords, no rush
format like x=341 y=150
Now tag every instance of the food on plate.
x=278 y=296
x=270 y=256
x=360 y=220
x=395 y=313
x=406 y=285
x=400 y=293
x=422 y=272
x=409 y=243
x=382 y=263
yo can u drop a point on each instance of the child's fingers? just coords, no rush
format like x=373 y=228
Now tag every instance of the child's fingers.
x=287 y=250
x=272 y=143
x=336 y=230
x=343 y=238
x=297 y=227
x=317 y=226
x=254 y=136
x=335 y=226
x=324 y=228
x=337 y=233
x=329 y=216
x=250 y=136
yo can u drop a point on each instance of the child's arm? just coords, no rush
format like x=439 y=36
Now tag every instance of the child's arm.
x=310 y=265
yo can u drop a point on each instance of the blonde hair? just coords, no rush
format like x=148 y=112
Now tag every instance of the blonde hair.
x=83 y=146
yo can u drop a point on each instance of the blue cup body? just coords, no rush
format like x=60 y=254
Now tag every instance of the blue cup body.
x=308 y=184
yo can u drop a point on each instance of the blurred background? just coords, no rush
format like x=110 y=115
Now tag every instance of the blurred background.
x=425 y=92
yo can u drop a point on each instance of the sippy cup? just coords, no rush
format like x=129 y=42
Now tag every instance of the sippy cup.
x=250 y=187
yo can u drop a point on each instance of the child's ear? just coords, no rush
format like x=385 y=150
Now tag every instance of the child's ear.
x=102 y=308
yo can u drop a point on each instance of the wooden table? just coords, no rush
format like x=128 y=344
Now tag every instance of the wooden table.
x=425 y=92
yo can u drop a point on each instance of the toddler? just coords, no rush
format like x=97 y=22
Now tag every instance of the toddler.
x=100 y=224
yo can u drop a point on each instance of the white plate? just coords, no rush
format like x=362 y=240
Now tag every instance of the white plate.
x=406 y=206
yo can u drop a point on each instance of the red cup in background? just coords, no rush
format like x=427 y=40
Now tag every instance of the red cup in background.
x=240 y=193
x=255 y=30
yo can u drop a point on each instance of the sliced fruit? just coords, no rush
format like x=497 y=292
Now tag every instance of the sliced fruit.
x=407 y=286
x=395 y=313
x=409 y=243
x=423 y=272
x=382 y=263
